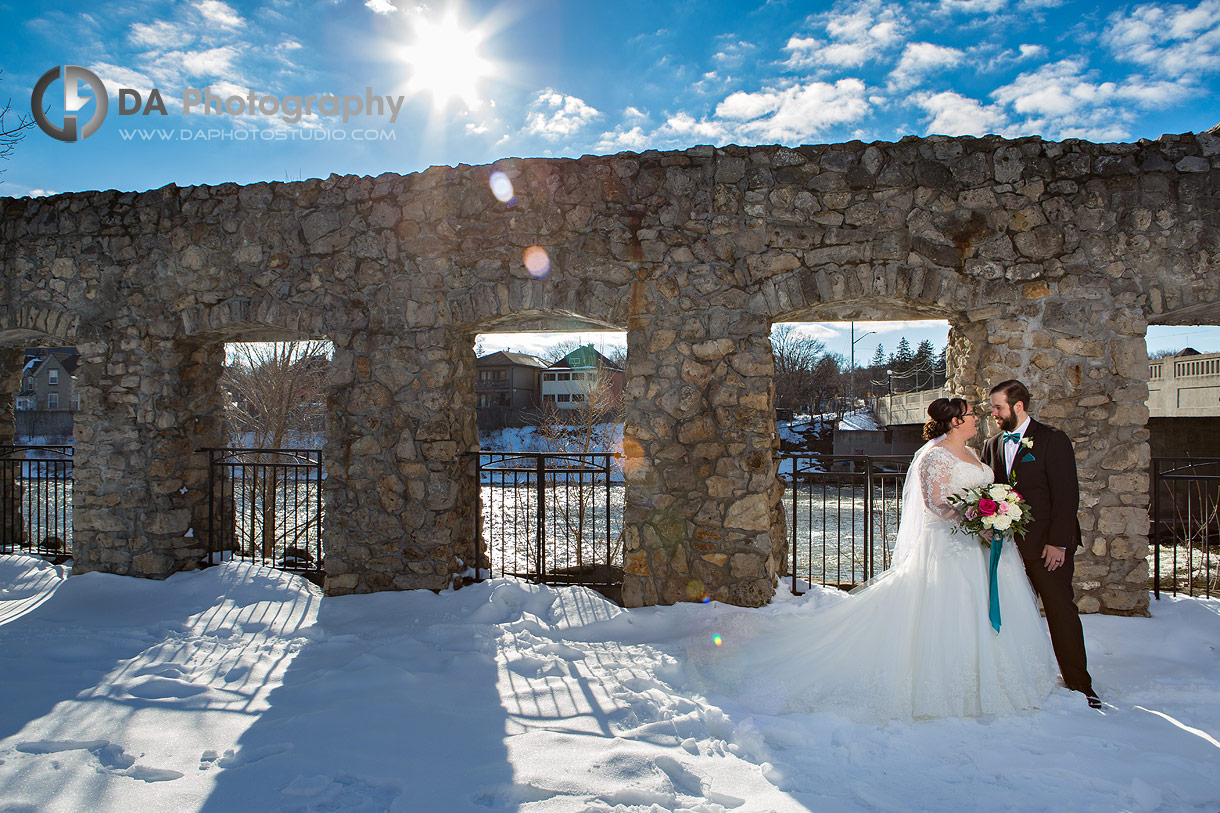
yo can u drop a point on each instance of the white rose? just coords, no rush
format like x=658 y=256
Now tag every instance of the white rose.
x=1002 y=522
x=998 y=491
x=989 y=522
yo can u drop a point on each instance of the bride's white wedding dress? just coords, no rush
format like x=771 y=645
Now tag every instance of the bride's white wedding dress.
x=914 y=642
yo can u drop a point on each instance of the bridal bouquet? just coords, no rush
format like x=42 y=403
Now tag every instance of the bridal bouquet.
x=990 y=511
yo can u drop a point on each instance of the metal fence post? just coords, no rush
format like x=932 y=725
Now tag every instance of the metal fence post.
x=1156 y=530
x=540 y=541
x=868 y=518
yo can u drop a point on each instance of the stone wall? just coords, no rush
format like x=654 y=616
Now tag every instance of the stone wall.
x=1048 y=259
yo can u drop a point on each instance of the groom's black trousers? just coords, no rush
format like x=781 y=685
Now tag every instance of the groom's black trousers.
x=1054 y=587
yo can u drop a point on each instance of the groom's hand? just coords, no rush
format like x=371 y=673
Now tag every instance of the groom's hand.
x=1052 y=556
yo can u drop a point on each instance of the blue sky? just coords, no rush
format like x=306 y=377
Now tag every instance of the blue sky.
x=483 y=80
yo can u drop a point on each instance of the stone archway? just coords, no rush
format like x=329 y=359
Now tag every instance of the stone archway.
x=1048 y=257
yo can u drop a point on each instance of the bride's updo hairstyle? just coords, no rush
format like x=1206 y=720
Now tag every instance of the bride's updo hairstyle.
x=941 y=414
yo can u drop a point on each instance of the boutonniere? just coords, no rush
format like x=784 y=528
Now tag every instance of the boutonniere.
x=1027 y=444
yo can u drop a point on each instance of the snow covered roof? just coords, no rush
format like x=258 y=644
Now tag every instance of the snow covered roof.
x=509 y=357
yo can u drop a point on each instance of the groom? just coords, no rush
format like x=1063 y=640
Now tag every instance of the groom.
x=1044 y=464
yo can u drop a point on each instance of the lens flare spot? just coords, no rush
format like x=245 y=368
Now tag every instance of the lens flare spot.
x=717 y=640
x=501 y=187
x=633 y=456
x=537 y=261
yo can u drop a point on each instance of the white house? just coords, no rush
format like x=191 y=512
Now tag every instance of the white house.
x=569 y=382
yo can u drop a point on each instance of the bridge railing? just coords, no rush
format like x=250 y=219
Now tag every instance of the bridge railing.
x=905 y=408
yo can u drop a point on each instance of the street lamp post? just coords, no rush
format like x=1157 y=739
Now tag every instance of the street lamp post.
x=851 y=388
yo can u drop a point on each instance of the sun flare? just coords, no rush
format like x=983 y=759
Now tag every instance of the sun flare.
x=445 y=61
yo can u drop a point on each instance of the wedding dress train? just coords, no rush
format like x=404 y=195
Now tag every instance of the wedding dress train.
x=915 y=642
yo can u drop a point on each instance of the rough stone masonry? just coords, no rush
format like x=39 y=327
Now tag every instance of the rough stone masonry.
x=1049 y=259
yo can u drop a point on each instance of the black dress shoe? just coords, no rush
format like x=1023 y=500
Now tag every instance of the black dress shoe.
x=1094 y=700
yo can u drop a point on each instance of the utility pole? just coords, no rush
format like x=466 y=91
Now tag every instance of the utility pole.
x=851 y=389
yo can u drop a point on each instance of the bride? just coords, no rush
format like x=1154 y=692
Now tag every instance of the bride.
x=915 y=642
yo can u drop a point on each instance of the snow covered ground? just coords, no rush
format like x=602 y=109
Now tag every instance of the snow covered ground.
x=240 y=688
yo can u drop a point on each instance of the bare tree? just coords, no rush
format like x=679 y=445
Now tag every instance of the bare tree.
x=275 y=388
x=826 y=383
x=571 y=436
x=275 y=399
x=796 y=361
x=12 y=131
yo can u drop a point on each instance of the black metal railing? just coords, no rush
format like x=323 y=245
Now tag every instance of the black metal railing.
x=265 y=505
x=553 y=518
x=842 y=513
x=1185 y=525
x=36 y=500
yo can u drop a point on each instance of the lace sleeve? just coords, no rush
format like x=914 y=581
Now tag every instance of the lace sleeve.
x=935 y=475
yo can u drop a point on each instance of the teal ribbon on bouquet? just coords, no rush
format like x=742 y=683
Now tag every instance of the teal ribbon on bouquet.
x=993 y=581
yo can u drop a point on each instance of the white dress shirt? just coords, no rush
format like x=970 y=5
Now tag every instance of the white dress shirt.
x=1010 y=448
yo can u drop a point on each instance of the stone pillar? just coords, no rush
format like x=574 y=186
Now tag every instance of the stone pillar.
x=1080 y=349
x=140 y=488
x=703 y=516
x=401 y=489
x=12 y=529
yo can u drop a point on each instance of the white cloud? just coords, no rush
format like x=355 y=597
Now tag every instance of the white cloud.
x=380 y=6
x=732 y=53
x=212 y=62
x=218 y=13
x=42 y=193
x=1174 y=41
x=553 y=115
x=684 y=127
x=856 y=33
x=973 y=6
x=743 y=105
x=1055 y=89
x=919 y=59
x=951 y=113
x=620 y=139
x=634 y=114
x=118 y=76
x=796 y=113
x=1033 y=51
x=1060 y=100
x=159 y=34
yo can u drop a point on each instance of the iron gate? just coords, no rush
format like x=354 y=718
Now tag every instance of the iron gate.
x=842 y=513
x=265 y=505
x=1186 y=525
x=553 y=518
x=36 y=500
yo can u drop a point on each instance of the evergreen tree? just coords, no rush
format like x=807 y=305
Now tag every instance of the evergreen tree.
x=878 y=358
x=903 y=357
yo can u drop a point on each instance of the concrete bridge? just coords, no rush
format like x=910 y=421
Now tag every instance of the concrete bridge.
x=1178 y=387
x=1047 y=259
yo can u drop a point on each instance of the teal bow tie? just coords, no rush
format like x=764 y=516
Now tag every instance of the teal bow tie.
x=1015 y=437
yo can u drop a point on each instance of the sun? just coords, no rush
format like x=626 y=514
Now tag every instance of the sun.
x=445 y=62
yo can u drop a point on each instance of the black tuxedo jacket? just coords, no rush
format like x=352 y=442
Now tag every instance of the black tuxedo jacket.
x=1048 y=483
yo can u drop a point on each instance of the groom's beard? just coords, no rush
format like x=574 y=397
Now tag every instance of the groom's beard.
x=1007 y=424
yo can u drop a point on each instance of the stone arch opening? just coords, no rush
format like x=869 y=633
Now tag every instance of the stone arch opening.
x=39 y=406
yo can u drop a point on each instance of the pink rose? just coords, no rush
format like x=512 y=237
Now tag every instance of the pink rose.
x=972 y=513
x=987 y=507
x=1002 y=508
